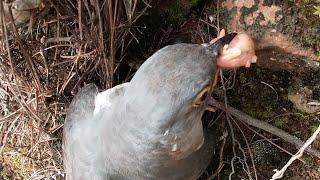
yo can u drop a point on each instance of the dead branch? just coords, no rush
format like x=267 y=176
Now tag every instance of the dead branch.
x=264 y=126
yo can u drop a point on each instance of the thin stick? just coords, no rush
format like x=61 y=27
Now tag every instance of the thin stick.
x=280 y=173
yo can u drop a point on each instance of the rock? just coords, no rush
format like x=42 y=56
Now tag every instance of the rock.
x=303 y=102
x=289 y=27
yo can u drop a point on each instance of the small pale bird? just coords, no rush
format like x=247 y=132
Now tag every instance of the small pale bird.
x=148 y=128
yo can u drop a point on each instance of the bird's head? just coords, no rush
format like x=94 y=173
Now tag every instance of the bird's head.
x=159 y=98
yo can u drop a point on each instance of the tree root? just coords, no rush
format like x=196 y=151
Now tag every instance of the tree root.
x=264 y=126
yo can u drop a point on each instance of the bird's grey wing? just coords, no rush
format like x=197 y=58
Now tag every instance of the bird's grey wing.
x=80 y=111
x=83 y=131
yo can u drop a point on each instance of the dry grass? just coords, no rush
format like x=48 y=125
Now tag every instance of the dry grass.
x=43 y=63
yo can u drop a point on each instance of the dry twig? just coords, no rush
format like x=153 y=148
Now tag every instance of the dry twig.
x=279 y=173
x=264 y=126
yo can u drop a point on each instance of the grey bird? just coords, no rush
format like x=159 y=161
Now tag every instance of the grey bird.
x=148 y=128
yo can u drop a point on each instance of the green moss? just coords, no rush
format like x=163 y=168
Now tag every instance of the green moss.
x=175 y=11
x=310 y=11
x=242 y=78
x=261 y=109
x=280 y=123
x=295 y=85
x=317 y=10
x=301 y=18
x=226 y=17
x=175 y=14
x=313 y=128
x=318 y=55
x=308 y=159
x=193 y=2
x=258 y=71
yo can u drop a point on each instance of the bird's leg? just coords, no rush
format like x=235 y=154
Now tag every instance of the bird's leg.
x=198 y=99
x=199 y=102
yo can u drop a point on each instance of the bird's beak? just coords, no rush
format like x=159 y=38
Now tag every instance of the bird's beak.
x=217 y=44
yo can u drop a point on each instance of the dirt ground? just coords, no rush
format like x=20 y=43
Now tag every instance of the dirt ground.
x=58 y=46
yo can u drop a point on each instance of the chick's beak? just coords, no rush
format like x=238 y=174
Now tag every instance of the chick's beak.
x=239 y=52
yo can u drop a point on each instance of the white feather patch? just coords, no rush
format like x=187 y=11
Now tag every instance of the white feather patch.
x=102 y=100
